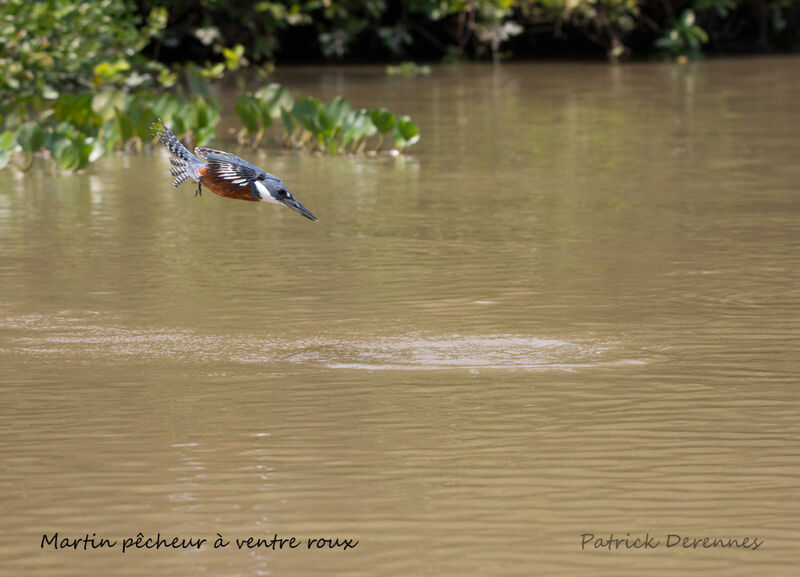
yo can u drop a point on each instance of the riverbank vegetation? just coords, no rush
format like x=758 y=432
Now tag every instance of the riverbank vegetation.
x=432 y=30
x=75 y=83
x=79 y=79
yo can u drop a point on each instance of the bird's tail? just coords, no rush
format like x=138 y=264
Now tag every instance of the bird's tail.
x=185 y=164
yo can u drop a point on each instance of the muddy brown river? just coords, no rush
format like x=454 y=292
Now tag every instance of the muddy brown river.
x=571 y=309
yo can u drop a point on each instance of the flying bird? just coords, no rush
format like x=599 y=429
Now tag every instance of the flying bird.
x=225 y=174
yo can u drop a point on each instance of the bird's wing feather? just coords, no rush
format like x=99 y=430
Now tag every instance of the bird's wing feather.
x=232 y=163
x=231 y=173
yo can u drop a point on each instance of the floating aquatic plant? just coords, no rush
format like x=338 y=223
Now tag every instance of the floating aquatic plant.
x=408 y=69
x=333 y=126
x=77 y=129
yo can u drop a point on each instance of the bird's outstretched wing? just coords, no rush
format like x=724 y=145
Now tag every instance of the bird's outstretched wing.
x=238 y=167
x=231 y=174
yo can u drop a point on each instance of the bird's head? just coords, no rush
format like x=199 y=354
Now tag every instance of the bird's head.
x=279 y=194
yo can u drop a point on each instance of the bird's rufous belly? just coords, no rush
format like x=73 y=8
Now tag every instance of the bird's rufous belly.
x=222 y=187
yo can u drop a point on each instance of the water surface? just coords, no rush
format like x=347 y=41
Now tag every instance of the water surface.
x=571 y=308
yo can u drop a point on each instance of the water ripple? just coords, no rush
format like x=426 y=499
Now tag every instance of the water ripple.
x=80 y=338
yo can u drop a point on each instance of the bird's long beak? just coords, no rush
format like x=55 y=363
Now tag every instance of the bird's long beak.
x=297 y=207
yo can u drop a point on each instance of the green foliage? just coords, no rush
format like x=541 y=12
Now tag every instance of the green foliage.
x=396 y=38
x=722 y=7
x=69 y=146
x=30 y=137
x=408 y=69
x=224 y=25
x=406 y=133
x=604 y=22
x=257 y=111
x=76 y=129
x=333 y=126
x=684 y=38
x=47 y=47
x=53 y=46
x=340 y=23
x=382 y=119
x=469 y=28
x=234 y=57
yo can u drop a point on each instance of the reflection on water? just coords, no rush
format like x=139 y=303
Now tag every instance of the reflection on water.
x=571 y=309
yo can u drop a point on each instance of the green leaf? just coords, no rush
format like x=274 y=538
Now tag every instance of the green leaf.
x=105 y=104
x=337 y=109
x=30 y=137
x=382 y=119
x=204 y=135
x=98 y=149
x=234 y=57
x=306 y=113
x=700 y=34
x=248 y=111
x=167 y=78
x=288 y=121
x=126 y=127
x=406 y=133
x=7 y=140
x=357 y=125
x=325 y=123
x=140 y=114
x=264 y=114
x=85 y=149
x=199 y=114
x=215 y=71
x=56 y=143
x=111 y=133
x=197 y=82
x=166 y=106
x=5 y=158
x=275 y=97
x=70 y=157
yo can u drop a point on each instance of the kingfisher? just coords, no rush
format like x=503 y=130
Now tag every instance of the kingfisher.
x=225 y=174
